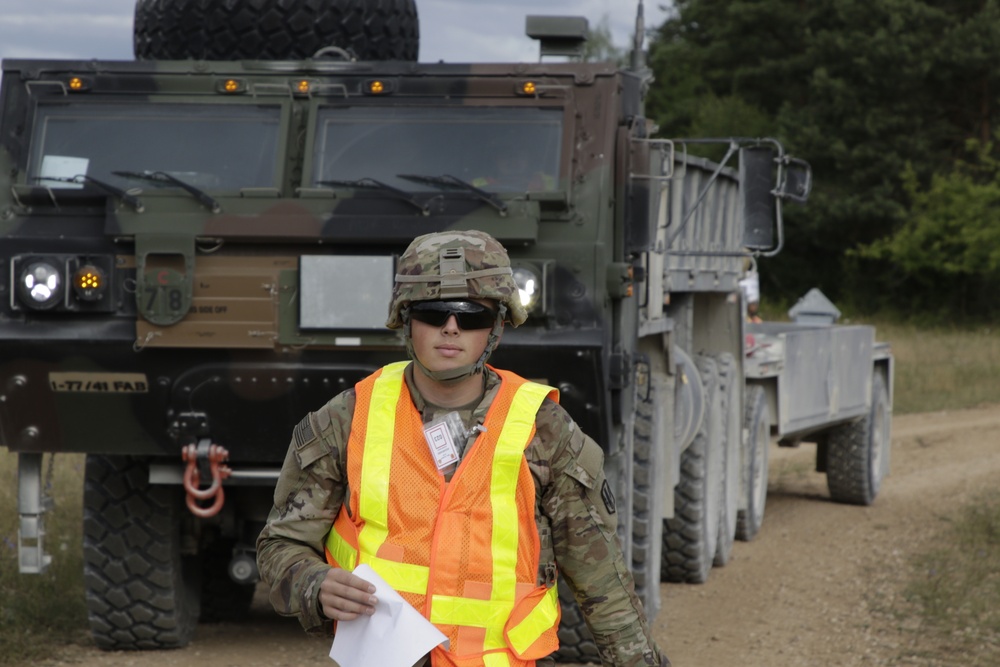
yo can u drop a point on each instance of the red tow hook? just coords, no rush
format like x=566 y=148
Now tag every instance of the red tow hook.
x=192 y=480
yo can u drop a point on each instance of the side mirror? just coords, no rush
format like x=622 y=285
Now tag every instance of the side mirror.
x=757 y=196
x=796 y=180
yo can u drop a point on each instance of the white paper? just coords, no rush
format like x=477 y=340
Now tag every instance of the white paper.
x=61 y=166
x=396 y=635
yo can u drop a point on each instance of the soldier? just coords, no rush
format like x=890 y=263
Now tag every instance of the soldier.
x=750 y=286
x=456 y=480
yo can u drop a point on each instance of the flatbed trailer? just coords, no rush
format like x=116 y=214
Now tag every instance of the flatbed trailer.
x=831 y=385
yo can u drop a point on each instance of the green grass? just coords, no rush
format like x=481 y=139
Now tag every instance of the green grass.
x=40 y=612
x=943 y=368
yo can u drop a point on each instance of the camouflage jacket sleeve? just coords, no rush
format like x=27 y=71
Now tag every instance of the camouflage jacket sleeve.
x=307 y=498
x=576 y=504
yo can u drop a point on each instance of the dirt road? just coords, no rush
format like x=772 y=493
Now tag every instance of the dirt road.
x=810 y=590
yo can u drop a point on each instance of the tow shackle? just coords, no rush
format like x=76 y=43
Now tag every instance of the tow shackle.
x=216 y=455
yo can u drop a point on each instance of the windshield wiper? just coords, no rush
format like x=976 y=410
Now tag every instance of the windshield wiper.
x=449 y=181
x=372 y=184
x=203 y=197
x=131 y=200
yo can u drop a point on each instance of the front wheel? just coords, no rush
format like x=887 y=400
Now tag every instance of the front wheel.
x=141 y=592
x=858 y=452
x=576 y=644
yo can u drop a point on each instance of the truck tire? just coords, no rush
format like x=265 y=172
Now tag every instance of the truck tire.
x=222 y=599
x=647 y=479
x=757 y=421
x=141 y=592
x=274 y=29
x=732 y=430
x=576 y=644
x=858 y=452
x=691 y=536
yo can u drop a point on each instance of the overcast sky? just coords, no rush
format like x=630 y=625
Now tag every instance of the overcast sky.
x=450 y=30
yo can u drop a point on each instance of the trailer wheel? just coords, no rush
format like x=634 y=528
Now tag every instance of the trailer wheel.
x=858 y=452
x=758 y=424
x=691 y=536
x=141 y=592
x=732 y=430
x=222 y=599
x=274 y=29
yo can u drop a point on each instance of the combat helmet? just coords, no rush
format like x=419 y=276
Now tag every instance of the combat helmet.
x=455 y=265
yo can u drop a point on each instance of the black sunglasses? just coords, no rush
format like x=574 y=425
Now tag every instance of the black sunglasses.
x=468 y=314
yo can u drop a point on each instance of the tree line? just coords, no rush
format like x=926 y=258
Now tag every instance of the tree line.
x=895 y=105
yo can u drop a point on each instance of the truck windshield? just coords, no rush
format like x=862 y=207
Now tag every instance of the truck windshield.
x=495 y=149
x=210 y=147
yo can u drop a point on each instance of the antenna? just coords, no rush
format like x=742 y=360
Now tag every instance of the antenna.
x=638 y=55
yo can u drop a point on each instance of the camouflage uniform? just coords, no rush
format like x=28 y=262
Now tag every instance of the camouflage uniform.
x=574 y=509
x=576 y=526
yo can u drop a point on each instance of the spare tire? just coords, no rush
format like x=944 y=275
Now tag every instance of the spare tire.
x=274 y=29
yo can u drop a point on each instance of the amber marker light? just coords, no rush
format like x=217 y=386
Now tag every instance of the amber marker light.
x=88 y=283
x=377 y=87
x=231 y=86
x=77 y=84
x=529 y=88
x=303 y=87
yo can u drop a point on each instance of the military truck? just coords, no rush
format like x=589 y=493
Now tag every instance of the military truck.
x=199 y=245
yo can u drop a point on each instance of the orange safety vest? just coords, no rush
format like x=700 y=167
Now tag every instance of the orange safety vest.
x=464 y=553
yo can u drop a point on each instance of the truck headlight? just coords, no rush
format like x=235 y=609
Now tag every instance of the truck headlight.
x=40 y=285
x=529 y=286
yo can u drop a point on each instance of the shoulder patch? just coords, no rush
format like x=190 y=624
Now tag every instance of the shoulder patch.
x=608 y=496
x=303 y=433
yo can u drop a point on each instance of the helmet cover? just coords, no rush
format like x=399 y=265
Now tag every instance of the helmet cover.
x=454 y=265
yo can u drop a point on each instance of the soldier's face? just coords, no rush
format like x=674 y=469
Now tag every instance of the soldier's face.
x=448 y=346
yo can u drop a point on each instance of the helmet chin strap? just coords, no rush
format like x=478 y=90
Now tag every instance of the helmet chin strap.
x=455 y=375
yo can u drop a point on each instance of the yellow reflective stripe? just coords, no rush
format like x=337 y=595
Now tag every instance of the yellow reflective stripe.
x=496 y=660
x=507 y=460
x=451 y=610
x=342 y=552
x=373 y=502
x=404 y=577
x=538 y=620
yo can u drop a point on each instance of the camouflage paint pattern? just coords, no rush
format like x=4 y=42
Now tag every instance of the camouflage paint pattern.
x=206 y=304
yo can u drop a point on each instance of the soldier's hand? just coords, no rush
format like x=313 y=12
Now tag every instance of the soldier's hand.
x=344 y=596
